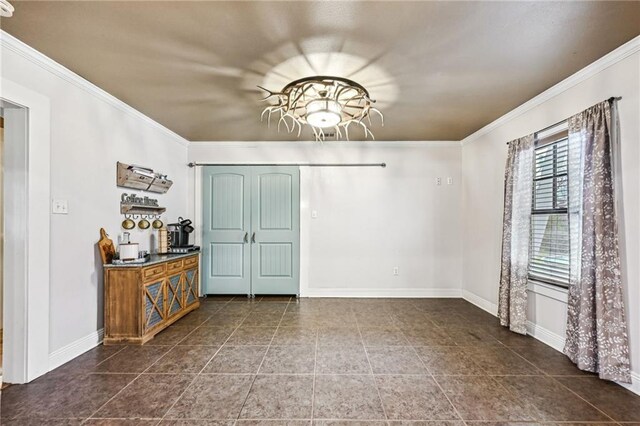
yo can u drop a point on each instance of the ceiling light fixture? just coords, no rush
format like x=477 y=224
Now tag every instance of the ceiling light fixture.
x=323 y=103
x=6 y=9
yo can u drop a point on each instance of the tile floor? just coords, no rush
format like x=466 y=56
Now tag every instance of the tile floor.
x=281 y=361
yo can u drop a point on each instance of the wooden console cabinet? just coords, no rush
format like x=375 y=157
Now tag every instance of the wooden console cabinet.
x=142 y=300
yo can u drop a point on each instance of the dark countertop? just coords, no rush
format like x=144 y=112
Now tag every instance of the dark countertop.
x=153 y=259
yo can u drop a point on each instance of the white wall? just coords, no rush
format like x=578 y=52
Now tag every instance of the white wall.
x=369 y=219
x=483 y=159
x=90 y=131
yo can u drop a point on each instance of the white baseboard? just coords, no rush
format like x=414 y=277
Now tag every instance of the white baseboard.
x=543 y=335
x=75 y=349
x=381 y=292
x=481 y=303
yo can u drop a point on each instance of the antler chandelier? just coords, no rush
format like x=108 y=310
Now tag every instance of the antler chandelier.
x=322 y=102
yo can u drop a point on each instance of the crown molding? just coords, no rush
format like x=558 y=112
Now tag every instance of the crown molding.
x=312 y=144
x=13 y=44
x=611 y=58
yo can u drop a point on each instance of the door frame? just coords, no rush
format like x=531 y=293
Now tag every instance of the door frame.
x=27 y=245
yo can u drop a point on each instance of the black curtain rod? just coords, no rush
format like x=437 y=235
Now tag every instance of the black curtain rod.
x=611 y=99
x=292 y=164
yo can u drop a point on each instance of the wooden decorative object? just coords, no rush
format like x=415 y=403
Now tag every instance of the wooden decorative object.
x=141 y=301
x=107 y=250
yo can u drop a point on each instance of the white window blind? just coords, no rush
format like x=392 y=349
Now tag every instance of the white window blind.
x=549 y=255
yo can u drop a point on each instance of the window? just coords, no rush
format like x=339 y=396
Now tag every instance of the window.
x=549 y=254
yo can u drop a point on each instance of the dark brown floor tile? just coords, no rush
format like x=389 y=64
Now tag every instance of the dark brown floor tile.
x=88 y=361
x=619 y=403
x=225 y=319
x=432 y=336
x=270 y=307
x=279 y=397
x=197 y=423
x=449 y=361
x=549 y=400
x=395 y=360
x=414 y=398
x=207 y=336
x=273 y=423
x=252 y=336
x=348 y=422
x=383 y=337
x=262 y=319
x=295 y=336
x=132 y=359
x=171 y=335
x=289 y=360
x=149 y=396
x=195 y=318
x=121 y=422
x=82 y=396
x=482 y=398
x=41 y=422
x=471 y=336
x=184 y=359
x=549 y=360
x=427 y=423
x=342 y=360
x=212 y=397
x=236 y=360
x=347 y=397
x=499 y=360
x=339 y=336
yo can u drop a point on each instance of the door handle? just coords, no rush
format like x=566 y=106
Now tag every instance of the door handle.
x=253 y=238
x=246 y=237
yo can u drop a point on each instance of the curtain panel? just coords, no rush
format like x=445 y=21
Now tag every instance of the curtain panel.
x=597 y=338
x=516 y=226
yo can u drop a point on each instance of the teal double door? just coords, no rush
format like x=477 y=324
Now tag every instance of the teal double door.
x=251 y=230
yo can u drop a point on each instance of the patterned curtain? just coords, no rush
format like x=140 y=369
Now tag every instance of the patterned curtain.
x=596 y=328
x=518 y=185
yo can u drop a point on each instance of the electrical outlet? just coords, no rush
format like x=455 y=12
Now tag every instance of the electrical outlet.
x=438 y=181
x=449 y=181
x=396 y=271
x=59 y=207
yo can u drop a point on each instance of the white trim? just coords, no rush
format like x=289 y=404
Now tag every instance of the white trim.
x=553 y=292
x=481 y=303
x=380 y=292
x=345 y=144
x=26 y=303
x=11 y=43
x=585 y=73
x=545 y=336
x=75 y=349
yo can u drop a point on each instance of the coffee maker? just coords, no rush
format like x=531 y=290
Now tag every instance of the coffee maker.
x=178 y=235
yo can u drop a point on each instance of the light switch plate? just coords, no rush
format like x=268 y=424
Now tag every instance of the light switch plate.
x=449 y=181
x=314 y=214
x=59 y=207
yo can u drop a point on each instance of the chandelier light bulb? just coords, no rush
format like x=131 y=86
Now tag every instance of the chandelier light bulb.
x=323 y=113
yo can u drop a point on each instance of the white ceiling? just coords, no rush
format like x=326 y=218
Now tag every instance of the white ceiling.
x=438 y=70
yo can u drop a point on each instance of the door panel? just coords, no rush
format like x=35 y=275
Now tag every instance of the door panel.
x=275 y=222
x=226 y=226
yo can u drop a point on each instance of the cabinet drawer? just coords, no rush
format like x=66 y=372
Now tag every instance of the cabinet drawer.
x=191 y=261
x=174 y=266
x=154 y=271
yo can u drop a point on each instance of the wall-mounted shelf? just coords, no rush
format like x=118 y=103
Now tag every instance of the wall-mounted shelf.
x=127 y=208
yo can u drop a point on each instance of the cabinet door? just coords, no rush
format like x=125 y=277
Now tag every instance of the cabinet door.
x=190 y=286
x=175 y=299
x=153 y=304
